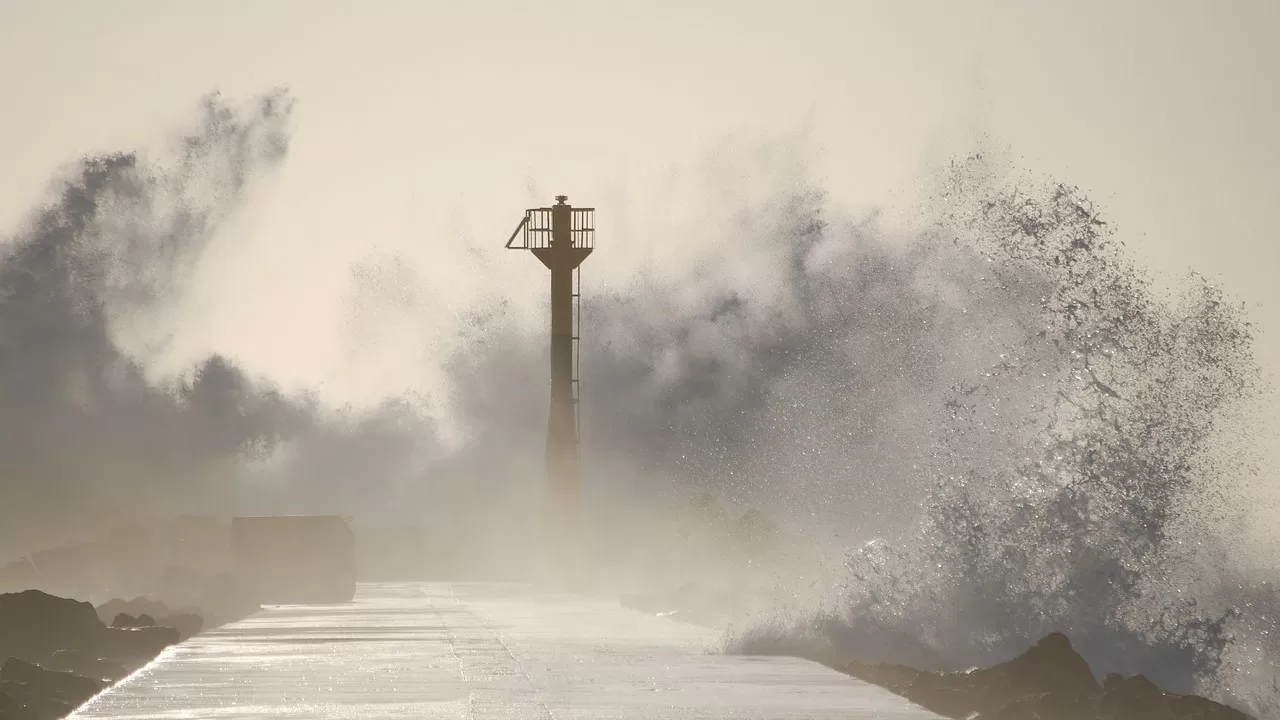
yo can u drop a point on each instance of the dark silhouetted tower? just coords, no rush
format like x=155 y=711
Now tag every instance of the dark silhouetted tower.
x=561 y=237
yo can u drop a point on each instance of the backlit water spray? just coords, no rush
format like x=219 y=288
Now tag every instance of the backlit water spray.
x=935 y=440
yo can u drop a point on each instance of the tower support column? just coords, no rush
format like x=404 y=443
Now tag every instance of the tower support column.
x=561 y=237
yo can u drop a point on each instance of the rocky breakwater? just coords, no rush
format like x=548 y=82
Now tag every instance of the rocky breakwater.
x=57 y=653
x=1050 y=681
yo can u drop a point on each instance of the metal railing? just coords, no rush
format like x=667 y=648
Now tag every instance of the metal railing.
x=535 y=229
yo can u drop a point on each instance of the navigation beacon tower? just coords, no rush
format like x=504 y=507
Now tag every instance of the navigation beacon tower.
x=561 y=237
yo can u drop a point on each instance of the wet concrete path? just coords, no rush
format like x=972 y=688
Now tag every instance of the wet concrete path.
x=481 y=652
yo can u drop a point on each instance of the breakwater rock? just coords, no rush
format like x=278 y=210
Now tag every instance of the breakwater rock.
x=56 y=653
x=1050 y=681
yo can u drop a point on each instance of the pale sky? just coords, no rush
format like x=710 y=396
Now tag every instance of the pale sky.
x=424 y=126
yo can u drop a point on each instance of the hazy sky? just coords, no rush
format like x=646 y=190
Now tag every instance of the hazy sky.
x=427 y=126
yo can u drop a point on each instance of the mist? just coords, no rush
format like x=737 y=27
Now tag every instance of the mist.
x=778 y=383
x=91 y=284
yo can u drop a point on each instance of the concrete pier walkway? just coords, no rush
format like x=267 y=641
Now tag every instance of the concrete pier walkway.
x=479 y=652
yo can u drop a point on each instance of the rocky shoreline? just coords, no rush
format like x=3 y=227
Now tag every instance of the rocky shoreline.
x=58 y=653
x=1050 y=681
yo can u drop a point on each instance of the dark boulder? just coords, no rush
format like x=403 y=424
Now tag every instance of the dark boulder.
x=1194 y=707
x=48 y=693
x=144 y=612
x=1138 y=698
x=86 y=664
x=1050 y=681
x=125 y=620
x=1134 y=698
x=50 y=682
x=34 y=625
x=138 y=645
x=109 y=611
x=11 y=708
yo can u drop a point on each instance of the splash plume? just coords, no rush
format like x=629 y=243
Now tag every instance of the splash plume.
x=1041 y=439
x=83 y=427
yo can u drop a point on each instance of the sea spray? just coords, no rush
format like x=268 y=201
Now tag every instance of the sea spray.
x=1080 y=478
x=83 y=428
x=1035 y=432
x=90 y=286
